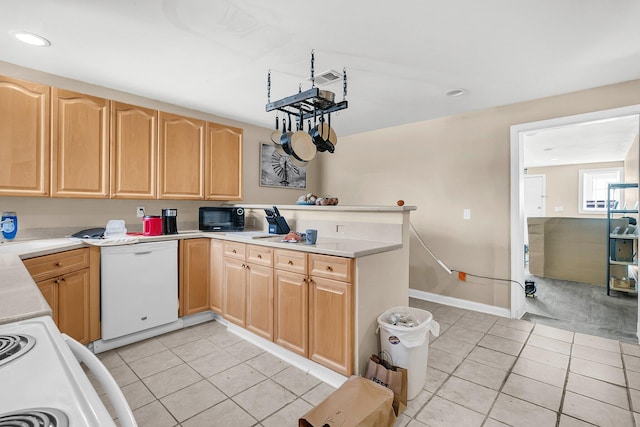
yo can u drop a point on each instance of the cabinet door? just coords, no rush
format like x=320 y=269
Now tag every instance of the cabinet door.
x=181 y=157
x=216 y=276
x=291 y=311
x=260 y=300
x=223 y=163
x=194 y=276
x=331 y=324
x=49 y=291
x=234 y=307
x=73 y=305
x=134 y=145
x=24 y=138
x=80 y=141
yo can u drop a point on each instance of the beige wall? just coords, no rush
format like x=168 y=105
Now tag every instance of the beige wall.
x=563 y=184
x=445 y=165
x=37 y=213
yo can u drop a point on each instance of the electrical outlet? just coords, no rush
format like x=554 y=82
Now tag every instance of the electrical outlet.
x=341 y=229
x=140 y=211
x=466 y=214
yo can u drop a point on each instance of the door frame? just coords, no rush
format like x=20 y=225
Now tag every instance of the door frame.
x=518 y=132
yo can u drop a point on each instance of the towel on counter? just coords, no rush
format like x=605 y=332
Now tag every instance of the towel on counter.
x=111 y=241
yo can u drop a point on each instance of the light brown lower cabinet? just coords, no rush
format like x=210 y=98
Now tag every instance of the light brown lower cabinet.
x=193 y=285
x=216 y=276
x=69 y=282
x=331 y=324
x=248 y=287
x=314 y=307
x=300 y=301
x=292 y=312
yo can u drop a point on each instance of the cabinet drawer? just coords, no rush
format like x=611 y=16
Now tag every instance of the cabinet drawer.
x=331 y=267
x=48 y=266
x=293 y=261
x=260 y=255
x=234 y=250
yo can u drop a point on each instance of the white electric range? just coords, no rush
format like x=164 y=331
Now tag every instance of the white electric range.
x=42 y=383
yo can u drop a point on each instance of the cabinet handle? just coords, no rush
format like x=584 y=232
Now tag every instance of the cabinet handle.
x=234 y=251
x=244 y=266
x=329 y=268
x=142 y=253
x=58 y=264
x=259 y=256
x=290 y=262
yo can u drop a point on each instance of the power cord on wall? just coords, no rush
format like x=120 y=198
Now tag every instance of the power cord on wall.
x=529 y=288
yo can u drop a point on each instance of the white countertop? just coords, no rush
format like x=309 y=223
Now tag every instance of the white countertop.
x=20 y=297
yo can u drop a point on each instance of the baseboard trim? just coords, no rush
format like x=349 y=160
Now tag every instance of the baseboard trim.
x=330 y=377
x=460 y=303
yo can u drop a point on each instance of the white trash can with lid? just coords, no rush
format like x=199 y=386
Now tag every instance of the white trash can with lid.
x=404 y=334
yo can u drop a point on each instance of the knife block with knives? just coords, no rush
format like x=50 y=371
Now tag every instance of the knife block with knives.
x=277 y=223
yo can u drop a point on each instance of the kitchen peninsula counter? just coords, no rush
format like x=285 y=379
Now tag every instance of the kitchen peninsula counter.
x=376 y=238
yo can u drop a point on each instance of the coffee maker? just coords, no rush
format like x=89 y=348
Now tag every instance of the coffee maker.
x=169 y=221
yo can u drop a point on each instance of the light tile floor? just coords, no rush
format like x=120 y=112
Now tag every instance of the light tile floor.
x=483 y=370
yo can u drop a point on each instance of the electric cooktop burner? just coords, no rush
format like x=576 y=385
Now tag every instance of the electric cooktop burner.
x=13 y=346
x=38 y=417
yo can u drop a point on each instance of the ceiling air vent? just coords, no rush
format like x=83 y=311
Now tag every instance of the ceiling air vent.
x=327 y=77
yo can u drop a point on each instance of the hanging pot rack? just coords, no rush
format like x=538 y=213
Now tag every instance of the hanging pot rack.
x=311 y=103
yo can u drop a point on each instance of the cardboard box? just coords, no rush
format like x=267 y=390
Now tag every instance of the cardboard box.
x=358 y=402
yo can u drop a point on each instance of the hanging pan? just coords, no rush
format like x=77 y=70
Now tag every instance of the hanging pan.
x=299 y=144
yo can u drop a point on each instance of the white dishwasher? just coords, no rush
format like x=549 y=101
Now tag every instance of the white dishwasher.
x=139 y=287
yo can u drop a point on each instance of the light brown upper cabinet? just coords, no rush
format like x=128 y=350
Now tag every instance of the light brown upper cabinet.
x=80 y=145
x=181 y=157
x=24 y=138
x=223 y=179
x=134 y=149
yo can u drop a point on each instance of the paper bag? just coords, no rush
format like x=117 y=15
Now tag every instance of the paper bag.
x=357 y=403
x=392 y=377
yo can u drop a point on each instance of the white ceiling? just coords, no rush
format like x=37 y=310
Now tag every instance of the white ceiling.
x=401 y=57
x=589 y=142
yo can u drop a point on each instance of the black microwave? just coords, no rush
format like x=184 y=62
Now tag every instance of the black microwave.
x=219 y=218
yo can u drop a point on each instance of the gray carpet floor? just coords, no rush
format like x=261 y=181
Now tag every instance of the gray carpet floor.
x=584 y=308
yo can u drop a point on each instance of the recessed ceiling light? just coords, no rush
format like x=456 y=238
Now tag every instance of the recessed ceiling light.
x=31 y=38
x=548 y=149
x=455 y=92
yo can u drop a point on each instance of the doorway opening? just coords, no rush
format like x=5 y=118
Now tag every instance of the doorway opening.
x=546 y=158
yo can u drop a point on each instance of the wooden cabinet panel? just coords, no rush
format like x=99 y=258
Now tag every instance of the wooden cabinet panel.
x=70 y=283
x=331 y=324
x=330 y=267
x=24 y=138
x=235 y=250
x=223 y=163
x=260 y=300
x=293 y=261
x=291 y=312
x=48 y=266
x=134 y=145
x=73 y=305
x=216 y=276
x=80 y=141
x=194 y=276
x=235 y=291
x=50 y=294
x=260 y=255
x=181 y=157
